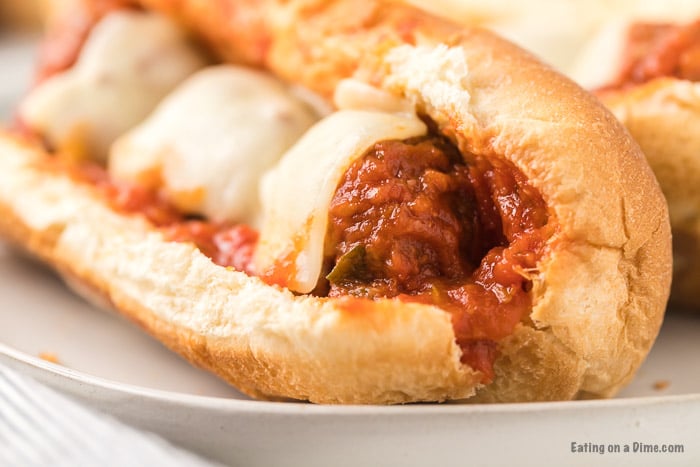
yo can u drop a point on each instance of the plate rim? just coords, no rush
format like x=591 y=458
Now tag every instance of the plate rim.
x=20 y=360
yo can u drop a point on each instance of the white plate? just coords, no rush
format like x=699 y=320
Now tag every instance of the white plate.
x=110 y=365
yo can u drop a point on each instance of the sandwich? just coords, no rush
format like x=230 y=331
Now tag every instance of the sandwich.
x=647 y=73
x=342 y=203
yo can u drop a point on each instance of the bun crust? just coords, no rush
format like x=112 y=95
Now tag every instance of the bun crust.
x=663 y=115
x=598 y=297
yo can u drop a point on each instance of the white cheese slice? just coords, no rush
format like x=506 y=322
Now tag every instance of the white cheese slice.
x=599 y=61
x=129 y=62
x=296 y=194
x=209 y=142
x=354 y=94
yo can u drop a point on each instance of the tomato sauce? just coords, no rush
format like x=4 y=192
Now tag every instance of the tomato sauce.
x=656 y=50
x=413 y=213
x=410 y=219
x=226 y=244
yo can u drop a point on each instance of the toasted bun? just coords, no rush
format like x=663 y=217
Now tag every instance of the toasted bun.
x=663 y=115
x=598 y=297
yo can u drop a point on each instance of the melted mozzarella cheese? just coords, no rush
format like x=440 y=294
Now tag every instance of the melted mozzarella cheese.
x=296 y=194
x=130 y=61
x=353 y=94
x=209 y=142
x=599 y=61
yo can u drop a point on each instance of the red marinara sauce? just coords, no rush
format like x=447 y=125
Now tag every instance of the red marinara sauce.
x=656 y=50
x=410 y=219
x=226 y=244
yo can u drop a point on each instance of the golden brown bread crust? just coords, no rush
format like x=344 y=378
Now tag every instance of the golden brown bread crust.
x=663 y=115
x=22 y=13
x=598 y=298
